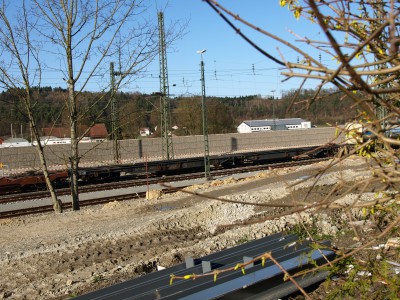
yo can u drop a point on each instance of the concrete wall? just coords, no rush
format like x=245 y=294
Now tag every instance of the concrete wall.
x=184 y=146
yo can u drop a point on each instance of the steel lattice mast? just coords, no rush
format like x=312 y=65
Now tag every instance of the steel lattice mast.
x=167 y=146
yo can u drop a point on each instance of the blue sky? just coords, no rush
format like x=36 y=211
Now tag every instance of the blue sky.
x=232 y=66
x=229 y=59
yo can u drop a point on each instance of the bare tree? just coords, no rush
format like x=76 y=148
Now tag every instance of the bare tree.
x=364 y=38
x=19 y=50
x=86 y=36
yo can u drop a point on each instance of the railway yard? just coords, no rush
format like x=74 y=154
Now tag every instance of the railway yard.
x=48 y=256
x=138 y=217
x=279 y=179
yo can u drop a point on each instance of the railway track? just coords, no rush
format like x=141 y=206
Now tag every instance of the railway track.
x=97 y=201
x=131 y=183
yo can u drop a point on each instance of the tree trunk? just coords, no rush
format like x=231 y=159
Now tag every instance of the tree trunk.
x=74 y=159
x=57 y=204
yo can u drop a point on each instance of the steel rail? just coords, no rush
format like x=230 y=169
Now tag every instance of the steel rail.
x=167 y=178
x=135 y=195
x=257 y=281
x=89 y=202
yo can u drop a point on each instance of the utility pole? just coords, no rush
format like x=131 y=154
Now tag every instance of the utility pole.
x=114 y=114
x=205 y=124
x=167 y=146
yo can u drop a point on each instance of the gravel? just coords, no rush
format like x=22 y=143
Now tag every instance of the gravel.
x=56 y=256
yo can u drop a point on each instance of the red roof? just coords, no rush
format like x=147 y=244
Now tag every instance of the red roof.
x=98 y=131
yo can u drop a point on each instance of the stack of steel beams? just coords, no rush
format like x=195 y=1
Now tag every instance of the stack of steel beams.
x=254 y=282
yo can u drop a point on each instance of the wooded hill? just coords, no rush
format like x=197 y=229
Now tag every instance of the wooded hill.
x=139 y=110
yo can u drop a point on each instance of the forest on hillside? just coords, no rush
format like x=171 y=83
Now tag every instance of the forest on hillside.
x=140 y=110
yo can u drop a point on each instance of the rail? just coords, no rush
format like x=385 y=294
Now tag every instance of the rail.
x=126 y=184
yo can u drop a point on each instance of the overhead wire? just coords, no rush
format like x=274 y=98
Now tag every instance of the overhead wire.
x=237 y=30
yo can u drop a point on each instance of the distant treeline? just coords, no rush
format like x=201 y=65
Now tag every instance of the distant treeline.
x=138 y=110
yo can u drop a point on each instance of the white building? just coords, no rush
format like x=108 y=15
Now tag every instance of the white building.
x=144 y=131
x=273 y=124
x=15 y=142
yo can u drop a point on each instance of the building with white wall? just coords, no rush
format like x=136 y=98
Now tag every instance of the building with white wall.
x=273 y=124
x=145 y=131
x=15 y=142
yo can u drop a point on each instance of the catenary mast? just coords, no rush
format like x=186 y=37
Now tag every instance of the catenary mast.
x=167 y=146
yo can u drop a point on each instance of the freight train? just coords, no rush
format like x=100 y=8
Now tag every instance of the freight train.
x=35 y=181
x=31 y=181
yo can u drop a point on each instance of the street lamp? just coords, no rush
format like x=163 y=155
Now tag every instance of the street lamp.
x=204 y=115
